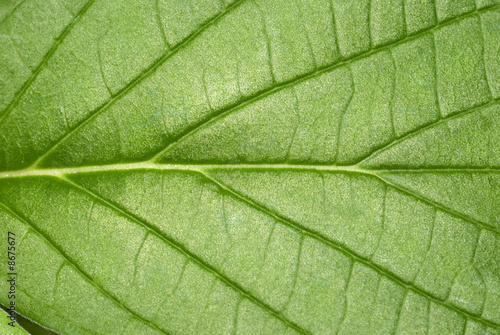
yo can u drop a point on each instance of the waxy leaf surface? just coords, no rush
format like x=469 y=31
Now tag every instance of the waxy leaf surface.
x=252 y=166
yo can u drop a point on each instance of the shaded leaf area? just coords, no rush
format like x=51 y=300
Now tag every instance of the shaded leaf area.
x=243 y=167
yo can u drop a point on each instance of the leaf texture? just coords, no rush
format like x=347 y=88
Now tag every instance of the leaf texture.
x=253 y=167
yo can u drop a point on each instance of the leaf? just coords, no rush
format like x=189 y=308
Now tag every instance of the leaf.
x=298 y=167
x=6 y=329
x=23 y=326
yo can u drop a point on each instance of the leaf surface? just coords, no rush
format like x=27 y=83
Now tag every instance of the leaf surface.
x=245 y=167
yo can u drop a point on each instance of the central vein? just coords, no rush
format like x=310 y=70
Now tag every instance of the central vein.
x=204 y=167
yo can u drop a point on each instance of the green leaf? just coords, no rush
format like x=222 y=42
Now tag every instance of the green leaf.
x=252 y=167
x=22 y=326
x=6 y=329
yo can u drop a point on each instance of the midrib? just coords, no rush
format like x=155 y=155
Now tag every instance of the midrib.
x=205 y=167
